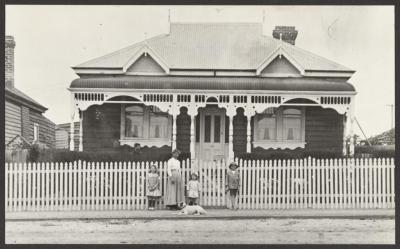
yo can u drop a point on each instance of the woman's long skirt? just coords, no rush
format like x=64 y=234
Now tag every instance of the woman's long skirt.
x=175 y=189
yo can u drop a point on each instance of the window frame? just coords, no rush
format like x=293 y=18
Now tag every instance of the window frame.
x=145 y=140
x=280 y=142
x=35 y=132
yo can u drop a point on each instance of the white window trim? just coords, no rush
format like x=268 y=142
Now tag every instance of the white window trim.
x=279 y=142
x=35 y=134
x=145 y=140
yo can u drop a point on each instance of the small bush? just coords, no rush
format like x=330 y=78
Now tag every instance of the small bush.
x=379 y=151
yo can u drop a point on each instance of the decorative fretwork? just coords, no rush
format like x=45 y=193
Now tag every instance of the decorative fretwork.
x=266 y=99
x=335 y=100
x=239 y=99
x=89 y=96
x=224 y=98
x=183 y=98
x=200 y=98
x=158 y=98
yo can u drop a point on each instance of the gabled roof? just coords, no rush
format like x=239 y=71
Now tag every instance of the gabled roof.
x=222 y=46
x=22 y=98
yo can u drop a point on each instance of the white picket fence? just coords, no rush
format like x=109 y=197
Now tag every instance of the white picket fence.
x=277 y=184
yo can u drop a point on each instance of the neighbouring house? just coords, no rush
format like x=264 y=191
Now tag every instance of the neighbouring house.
x=24 y=120
x=385 y=138
x=63 y=135
x=214 y=90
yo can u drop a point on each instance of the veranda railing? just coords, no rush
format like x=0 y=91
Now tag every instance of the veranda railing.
x=271 y=184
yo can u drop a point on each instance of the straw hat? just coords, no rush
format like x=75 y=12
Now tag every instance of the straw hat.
x=233 y=164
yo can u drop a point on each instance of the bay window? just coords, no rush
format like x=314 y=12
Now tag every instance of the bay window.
x=282 y=127
x=145 y=125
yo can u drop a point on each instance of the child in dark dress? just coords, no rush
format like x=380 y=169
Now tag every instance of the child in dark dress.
x=232 y=184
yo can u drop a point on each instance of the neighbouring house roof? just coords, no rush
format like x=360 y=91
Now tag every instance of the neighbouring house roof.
x=213 y=83
x=223 y=46
x=22 y=98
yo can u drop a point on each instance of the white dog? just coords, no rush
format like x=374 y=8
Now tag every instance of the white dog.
x=191 y=210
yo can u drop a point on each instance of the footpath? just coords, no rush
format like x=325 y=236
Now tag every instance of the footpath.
x=211 y=214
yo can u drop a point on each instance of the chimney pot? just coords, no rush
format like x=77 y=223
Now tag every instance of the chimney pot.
x=286 y=33
x=9 y=61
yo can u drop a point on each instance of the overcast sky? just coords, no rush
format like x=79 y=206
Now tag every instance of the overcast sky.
x=51 y=39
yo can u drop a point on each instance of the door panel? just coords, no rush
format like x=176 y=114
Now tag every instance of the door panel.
x=212 y=133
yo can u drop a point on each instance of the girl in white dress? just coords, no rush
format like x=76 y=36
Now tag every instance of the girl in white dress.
x=153 y=184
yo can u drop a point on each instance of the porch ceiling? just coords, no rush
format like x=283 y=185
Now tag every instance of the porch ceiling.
x=213 y=83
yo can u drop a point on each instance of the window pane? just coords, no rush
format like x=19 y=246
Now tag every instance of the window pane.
x=266 y=128
x=207 y=128
x=291 y=128
x=158 y=126
x=217 y=129
x=134 y=121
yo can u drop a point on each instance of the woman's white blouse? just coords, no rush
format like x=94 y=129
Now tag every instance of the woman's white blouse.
x=173 y=164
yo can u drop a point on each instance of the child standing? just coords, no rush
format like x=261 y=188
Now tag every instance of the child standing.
x=232 y=184
x=193 y=188
x=153 y=183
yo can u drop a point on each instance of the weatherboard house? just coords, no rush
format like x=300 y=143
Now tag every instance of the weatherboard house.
x=214 y=90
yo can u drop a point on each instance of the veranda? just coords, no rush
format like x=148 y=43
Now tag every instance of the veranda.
x=275 y=184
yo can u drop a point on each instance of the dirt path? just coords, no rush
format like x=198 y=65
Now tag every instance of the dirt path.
x=264 y=231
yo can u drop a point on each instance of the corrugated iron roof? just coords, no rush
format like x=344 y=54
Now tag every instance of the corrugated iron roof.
x=213 y=83
x=234 y=46
x=24 y=97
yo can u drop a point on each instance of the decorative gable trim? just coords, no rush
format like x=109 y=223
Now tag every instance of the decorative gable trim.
x=280 y=51
x=144 y=51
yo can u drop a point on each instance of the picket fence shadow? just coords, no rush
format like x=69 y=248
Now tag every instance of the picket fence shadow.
x=269 y=184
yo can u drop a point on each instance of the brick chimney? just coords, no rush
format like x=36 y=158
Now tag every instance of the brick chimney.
x=9 y=61
x=288 y=33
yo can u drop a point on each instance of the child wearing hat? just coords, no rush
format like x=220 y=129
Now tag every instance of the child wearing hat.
x=193 y=189
x=232 y=184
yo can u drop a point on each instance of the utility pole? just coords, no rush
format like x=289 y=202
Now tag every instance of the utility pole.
x=392 y=114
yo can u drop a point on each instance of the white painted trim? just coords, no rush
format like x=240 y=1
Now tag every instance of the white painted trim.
x=146 y=50
x=328 y=74
x=278 y=52
x=235 y=73
x=279 y=145
x=196 y=91
x=280 y=75
x=191 y=73
x=146 y=73
x=98 y=71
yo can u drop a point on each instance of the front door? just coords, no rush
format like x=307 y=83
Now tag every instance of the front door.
x=212 y=133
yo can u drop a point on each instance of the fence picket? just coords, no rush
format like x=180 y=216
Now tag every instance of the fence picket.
x=273 y=184
x=284 y=184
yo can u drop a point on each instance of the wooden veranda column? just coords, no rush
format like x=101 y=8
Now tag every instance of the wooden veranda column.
x=80 y=130
x=71 y=141
x=249 y=113
x=174 y=116
x=351 y=130
x=192 y=111
x=231 y=112
x=344 y=134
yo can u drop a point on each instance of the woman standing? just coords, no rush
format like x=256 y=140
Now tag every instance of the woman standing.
x=175 y=188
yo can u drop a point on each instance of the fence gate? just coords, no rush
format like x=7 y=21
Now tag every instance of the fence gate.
x=270 y=184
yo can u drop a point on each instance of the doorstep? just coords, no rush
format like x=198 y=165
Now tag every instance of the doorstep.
x=212 y=214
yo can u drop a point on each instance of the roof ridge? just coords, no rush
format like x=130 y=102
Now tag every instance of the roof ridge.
x=316 y=55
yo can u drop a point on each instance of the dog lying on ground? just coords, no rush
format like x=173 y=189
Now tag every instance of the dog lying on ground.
x=191 y=210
